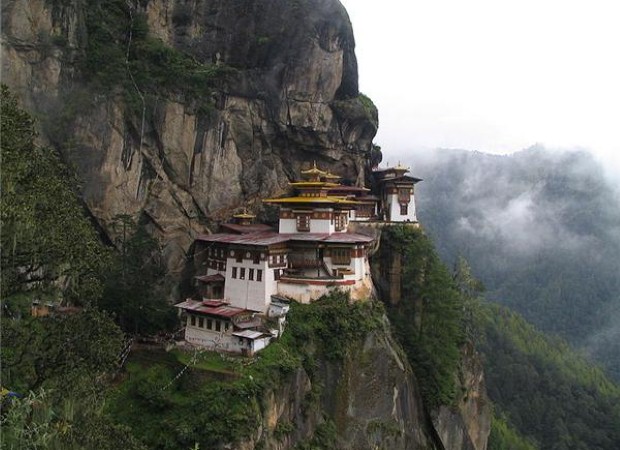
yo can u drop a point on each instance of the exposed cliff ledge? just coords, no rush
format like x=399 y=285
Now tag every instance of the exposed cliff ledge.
x=290 y=96
x=466 y=425
x=428 y=313
x=370 y=397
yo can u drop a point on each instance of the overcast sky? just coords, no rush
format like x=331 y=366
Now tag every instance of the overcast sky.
x=492 y=75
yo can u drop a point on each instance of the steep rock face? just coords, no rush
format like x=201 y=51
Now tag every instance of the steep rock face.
x=291 y=98
x=371 y=398
x=467 y=425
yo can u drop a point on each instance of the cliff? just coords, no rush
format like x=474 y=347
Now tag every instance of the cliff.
x=177 y=113
x=429 y=317
x=370 y=397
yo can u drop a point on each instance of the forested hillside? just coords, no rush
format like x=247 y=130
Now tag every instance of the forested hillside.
x=546 y=391
x=541 y=229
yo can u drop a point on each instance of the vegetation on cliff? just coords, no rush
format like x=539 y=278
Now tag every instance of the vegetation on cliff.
x=49 y=247
x=218 y=400
x=429 y=318
x=58 y=368
x=504 y=437
x=51 y=253
x=120 y=53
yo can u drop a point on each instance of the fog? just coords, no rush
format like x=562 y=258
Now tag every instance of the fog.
x=541 y=229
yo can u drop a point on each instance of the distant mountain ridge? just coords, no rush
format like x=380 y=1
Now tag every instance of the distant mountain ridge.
x=540 y=228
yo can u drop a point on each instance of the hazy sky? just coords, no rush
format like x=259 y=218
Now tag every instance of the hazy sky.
x=492 y=75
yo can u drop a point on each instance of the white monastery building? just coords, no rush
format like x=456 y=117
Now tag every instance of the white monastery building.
x=249 y=272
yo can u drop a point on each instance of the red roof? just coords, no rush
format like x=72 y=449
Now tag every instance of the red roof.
x=270 y=238
x=211 y=278
x=264 y=238
x=211 y=307
x=243 y=229
x=334 y=238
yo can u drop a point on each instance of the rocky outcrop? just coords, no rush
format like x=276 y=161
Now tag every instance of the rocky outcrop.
x=466 y=425
x=371 y=398
x=291 y=97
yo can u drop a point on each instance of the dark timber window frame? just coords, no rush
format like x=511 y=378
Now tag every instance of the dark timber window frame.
x=303 y=222
x=341 y=256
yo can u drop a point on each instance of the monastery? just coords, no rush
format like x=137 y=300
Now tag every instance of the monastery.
x=249 y=273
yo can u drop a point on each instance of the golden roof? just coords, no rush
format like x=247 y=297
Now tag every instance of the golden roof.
x=322 y=200
x=313 y=184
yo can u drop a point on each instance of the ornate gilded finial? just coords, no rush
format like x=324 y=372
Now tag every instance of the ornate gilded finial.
x=245 y=217
x=331 y=176
x=401 y=167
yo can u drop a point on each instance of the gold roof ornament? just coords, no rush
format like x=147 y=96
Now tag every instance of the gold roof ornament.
x=314 y=173
x=399 y=166
x=331 y=176
x=244 y=215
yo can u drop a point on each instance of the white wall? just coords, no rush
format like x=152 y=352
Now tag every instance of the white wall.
x=322 y=226
x=316 y=226
x=288 y=226
x=210 y=340
x=394 y=207
x=303 y=293
x=246 y=293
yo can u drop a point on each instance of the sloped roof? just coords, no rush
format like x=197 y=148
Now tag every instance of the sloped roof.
x=243 y=229
x=211 y=278
x=271 y=238
x=211 y=307
x=250 y=334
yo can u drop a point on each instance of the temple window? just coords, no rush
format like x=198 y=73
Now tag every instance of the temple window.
x=218 y=325
x=251 y=274
x=234 y=272
x=239 y=256
x=256 y=258
x=303 y=222
x=209 y=324
x=201 y=322
x=340 y=222
x=341 y=256
x=242 y=273
x=403 y=210
x=403 y=195
x=193 y=320
x=259 y=275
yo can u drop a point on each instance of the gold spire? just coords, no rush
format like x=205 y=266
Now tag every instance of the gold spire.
x=399 y=166
x=314 y=174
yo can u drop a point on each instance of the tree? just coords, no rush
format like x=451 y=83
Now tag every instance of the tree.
x=471 y=291
x=58 y=351
x=428 y=318
x=50 y=249
x=132 y=290
x=33 y=422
